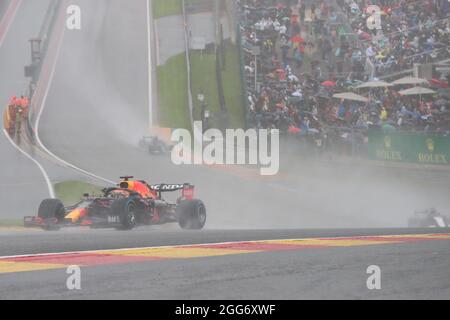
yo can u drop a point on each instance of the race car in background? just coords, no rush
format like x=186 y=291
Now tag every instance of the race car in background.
x=430 y=218
x=130 y=204
x=155 y=145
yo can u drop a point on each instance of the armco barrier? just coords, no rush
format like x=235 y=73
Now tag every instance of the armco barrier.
x=6 y=119
x=409 y=147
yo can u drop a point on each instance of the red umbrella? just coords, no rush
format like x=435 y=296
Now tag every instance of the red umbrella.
x=294 y=130
x=438 y=83
x=365 y=36
x=297 y=39
x=329 y=84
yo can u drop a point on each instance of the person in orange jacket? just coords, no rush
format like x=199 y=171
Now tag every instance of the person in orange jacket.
x=24 y=102
x=13 y=101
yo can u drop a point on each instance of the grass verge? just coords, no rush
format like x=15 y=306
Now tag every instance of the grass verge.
x=232 y=86
x=204 y=80
x=70 y=192
x=173 y=93
x=163 y=8
x=11 y=223
x=173 y=85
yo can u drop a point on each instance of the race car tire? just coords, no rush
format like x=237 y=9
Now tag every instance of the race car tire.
x=125 y=209
x=52 y=208
x=191 y=215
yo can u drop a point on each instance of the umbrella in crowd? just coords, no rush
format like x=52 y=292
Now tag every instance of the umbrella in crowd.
x=409 y=80
x=351 y=97
x=374 y=84
x=438 y=83
x=416 y=91
x=294 y=130
x=297 y=39
x=328 y=84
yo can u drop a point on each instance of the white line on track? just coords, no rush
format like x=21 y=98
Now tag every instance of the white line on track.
x=41 y=110
x=8 y=19
x=44 y=173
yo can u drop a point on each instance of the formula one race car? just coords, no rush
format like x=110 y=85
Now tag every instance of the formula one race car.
x=130 y=204
x=155 y=146
x=428 y=219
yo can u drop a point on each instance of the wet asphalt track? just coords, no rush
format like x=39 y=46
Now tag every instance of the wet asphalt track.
x=71 y=240
x=18 y=175
x=95 y=112
x=409 y=271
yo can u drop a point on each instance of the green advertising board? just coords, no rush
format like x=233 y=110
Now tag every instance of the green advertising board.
x=409 y=147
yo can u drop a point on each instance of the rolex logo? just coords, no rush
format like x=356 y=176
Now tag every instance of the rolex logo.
x=387 y=142
x=430 y=145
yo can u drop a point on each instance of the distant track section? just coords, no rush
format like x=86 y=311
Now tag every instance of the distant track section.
x=8 y=18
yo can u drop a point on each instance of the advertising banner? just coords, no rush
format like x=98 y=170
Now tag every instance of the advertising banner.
x=409 y=147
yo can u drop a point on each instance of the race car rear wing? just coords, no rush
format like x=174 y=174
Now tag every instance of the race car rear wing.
x=186 y=188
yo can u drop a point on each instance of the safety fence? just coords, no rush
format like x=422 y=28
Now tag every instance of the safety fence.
x=330 y=141
x=423 y=148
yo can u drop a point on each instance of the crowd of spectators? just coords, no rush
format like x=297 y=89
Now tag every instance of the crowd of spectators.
x=412 y=31
x=291 y=51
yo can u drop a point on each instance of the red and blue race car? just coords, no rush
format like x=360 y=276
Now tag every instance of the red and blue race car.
x=130 y=204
